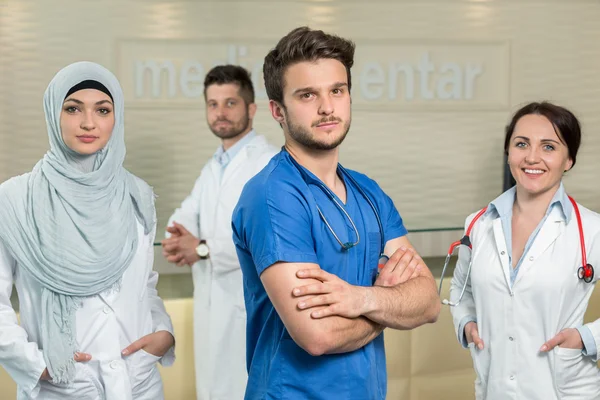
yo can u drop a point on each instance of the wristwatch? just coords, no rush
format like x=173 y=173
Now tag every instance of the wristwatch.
x=202 y=250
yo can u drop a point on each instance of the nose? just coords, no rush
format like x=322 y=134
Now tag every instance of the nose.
x=221 y=112
x=533 y=155
x=326 y=106
x=87 y=122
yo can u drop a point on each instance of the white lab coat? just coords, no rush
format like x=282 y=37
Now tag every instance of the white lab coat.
x=106 y=324
x=219 y=310
x=546 y=297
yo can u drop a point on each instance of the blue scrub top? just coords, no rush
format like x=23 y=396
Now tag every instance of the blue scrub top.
x=276 y=219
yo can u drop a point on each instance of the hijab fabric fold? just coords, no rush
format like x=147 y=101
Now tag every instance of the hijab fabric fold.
x=74 y=231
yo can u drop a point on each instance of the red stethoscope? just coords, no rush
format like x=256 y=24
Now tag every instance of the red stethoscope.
x=585 y=272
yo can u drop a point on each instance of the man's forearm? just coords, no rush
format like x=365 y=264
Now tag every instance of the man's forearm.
x=404 y=306
x=346 y=335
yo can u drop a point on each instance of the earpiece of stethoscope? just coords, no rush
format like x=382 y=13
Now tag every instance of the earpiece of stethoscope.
x=586 y=273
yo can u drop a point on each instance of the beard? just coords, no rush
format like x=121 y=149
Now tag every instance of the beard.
x=232 y=130
x=306 y=138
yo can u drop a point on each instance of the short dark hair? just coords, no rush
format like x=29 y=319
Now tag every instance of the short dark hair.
x=303 y=44
x=565 y=125
x=222 y=74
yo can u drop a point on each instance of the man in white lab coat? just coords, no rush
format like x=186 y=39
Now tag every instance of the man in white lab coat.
x=199 y=234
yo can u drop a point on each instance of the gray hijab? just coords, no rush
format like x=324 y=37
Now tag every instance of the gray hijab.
x=74 y=230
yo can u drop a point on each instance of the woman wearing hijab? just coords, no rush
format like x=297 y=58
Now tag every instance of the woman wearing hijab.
x=76 y=236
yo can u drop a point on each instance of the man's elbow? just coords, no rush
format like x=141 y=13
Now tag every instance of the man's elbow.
x=314 y=342
x=435 y=306
x=316 y=348
x=429 y=315
x=432 y=307
x=433 y=311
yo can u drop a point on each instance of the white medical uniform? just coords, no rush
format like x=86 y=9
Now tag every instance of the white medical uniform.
x=219 y=311
x=515 y=320
x=105 y=324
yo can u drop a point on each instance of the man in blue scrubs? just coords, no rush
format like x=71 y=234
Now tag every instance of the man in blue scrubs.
x=309 y=235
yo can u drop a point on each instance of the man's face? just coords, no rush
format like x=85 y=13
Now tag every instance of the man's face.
x=227 y=113
x=317 y=104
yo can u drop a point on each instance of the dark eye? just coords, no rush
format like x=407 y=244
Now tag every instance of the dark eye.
x=307 y=95
x=104 y=111
x=337 y=91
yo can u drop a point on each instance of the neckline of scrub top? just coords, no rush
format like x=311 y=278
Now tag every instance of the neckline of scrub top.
x=306 y=173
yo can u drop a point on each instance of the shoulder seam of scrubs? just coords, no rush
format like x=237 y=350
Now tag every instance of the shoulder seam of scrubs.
x=268 y=195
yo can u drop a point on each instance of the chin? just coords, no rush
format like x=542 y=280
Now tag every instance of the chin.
x=535 y=189
x=329 y=138
x=86 y=150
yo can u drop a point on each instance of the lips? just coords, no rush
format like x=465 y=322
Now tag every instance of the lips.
x=87 y=138
x=533 y=173
x=327 y=124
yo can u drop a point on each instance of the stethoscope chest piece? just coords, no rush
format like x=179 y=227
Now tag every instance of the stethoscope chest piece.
x=586 y=273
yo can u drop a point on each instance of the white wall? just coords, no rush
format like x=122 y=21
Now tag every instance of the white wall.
x=432 y=140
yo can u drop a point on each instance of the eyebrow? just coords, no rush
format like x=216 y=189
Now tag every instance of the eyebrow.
x=336 y=85
x=227 y=99
x=543 y=140
x=97 y=103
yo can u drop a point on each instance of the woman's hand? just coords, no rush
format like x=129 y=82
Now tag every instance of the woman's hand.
x=567 y=338
x=472 y=335
x=157 y=344
x=78 y=357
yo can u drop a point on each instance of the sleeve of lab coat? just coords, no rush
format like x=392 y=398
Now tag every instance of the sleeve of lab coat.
x=160 y=319
x=590 y=333
x=465 y=311
x=189 y=212
x=23 y=360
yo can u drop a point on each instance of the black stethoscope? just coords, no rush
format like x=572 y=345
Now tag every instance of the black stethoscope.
x=348 y=245
x=585 y=272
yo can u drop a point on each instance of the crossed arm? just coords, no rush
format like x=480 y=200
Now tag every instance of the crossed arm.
x=326 y=315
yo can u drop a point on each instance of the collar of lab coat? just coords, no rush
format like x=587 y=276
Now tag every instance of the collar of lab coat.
x=224 y=157
x=553 y=225
x=257 y=141
x=502 y=205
